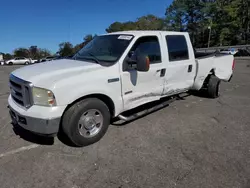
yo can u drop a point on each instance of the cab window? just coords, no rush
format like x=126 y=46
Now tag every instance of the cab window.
x=177 y=47
x=148 y=46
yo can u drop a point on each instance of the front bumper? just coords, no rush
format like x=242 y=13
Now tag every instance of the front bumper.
x=37 y=119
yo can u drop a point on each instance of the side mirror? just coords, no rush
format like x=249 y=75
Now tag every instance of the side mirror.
x=143 y=63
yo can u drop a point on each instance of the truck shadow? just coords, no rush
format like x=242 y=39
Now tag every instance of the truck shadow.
x=200 y=94
x=64 y=139
x=31 y=137
x=40 y=139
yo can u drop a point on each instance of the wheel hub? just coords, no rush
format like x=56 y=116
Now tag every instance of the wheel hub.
x=90 y=123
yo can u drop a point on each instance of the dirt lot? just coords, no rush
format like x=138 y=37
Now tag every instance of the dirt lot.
x=196 y=142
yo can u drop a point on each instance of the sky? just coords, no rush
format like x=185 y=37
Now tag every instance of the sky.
x=46 y=23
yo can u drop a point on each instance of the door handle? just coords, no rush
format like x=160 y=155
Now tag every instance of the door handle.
x=163 y=72
x=158 y=70
x=190 y=68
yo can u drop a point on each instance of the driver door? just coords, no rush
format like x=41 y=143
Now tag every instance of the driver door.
x=142 y=87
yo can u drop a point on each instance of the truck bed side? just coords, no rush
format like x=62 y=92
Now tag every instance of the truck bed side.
x=219 y=65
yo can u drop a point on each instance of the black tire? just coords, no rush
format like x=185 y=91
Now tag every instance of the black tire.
x=213 y=87
x=26 y=63
x=72 y=116
x=10 y=63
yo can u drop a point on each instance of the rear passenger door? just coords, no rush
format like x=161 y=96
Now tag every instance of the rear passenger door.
x=181 y=65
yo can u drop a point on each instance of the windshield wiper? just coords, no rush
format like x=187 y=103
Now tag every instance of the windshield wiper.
x=83 y=57
x=94 y=57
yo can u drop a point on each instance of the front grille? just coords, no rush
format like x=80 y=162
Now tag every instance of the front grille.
x=20 y=91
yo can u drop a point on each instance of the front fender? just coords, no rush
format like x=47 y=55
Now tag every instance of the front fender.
x=72 y=89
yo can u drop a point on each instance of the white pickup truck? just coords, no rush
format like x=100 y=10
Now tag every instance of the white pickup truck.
x=112 y=74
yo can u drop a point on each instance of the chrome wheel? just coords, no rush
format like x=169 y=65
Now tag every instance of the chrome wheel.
x=90 y=123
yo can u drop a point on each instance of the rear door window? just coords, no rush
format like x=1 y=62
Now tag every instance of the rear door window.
x=177 y=47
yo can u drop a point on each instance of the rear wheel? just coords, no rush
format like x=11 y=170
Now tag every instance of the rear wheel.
x=213 y=87
x=86 y=121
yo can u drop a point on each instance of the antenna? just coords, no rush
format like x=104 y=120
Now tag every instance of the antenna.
x=69 y=20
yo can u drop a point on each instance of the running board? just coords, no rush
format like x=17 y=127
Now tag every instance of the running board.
x=147 y=111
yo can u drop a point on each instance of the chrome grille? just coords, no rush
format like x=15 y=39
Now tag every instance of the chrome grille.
x=21 y=91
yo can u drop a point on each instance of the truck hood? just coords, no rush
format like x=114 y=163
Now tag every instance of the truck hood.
x=50 y=72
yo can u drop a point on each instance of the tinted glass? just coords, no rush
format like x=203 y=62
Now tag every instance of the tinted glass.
x=106 y=49
x=148 y=46
x=177 y=47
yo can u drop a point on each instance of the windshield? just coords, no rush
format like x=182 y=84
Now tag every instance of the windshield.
x=104 y=49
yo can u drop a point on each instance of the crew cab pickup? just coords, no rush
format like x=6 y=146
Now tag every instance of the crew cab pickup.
x=112 y=74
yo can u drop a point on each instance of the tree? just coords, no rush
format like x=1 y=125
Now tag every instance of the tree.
x=244 y=14
x=21 y=52
x=66 y=49
x=186 y=15
x=228 y=19
x=86 y=40
x=34 y=53
x=148 y=22
x=175 y=16
x=7 y=56
x=116 y=26
x=43 y=53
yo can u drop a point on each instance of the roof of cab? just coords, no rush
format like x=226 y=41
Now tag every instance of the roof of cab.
x=145 y=32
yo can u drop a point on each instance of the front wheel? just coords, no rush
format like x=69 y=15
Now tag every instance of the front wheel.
x=86 y=121
x=26 y=63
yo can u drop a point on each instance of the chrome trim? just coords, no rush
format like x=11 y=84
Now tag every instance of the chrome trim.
x=23 y=94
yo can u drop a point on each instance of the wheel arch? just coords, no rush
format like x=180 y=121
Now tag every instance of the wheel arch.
x=211 y=73
x=104 y=98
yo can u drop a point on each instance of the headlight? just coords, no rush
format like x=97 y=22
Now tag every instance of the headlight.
x=43 y=97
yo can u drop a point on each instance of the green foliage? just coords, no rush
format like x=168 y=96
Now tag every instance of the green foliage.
x=149 y=22
x=32 y=52
x=43 y=53
x=7 y=56
x=21 y=52
x=228 y=19
x=66 y=49
x=86 y=40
